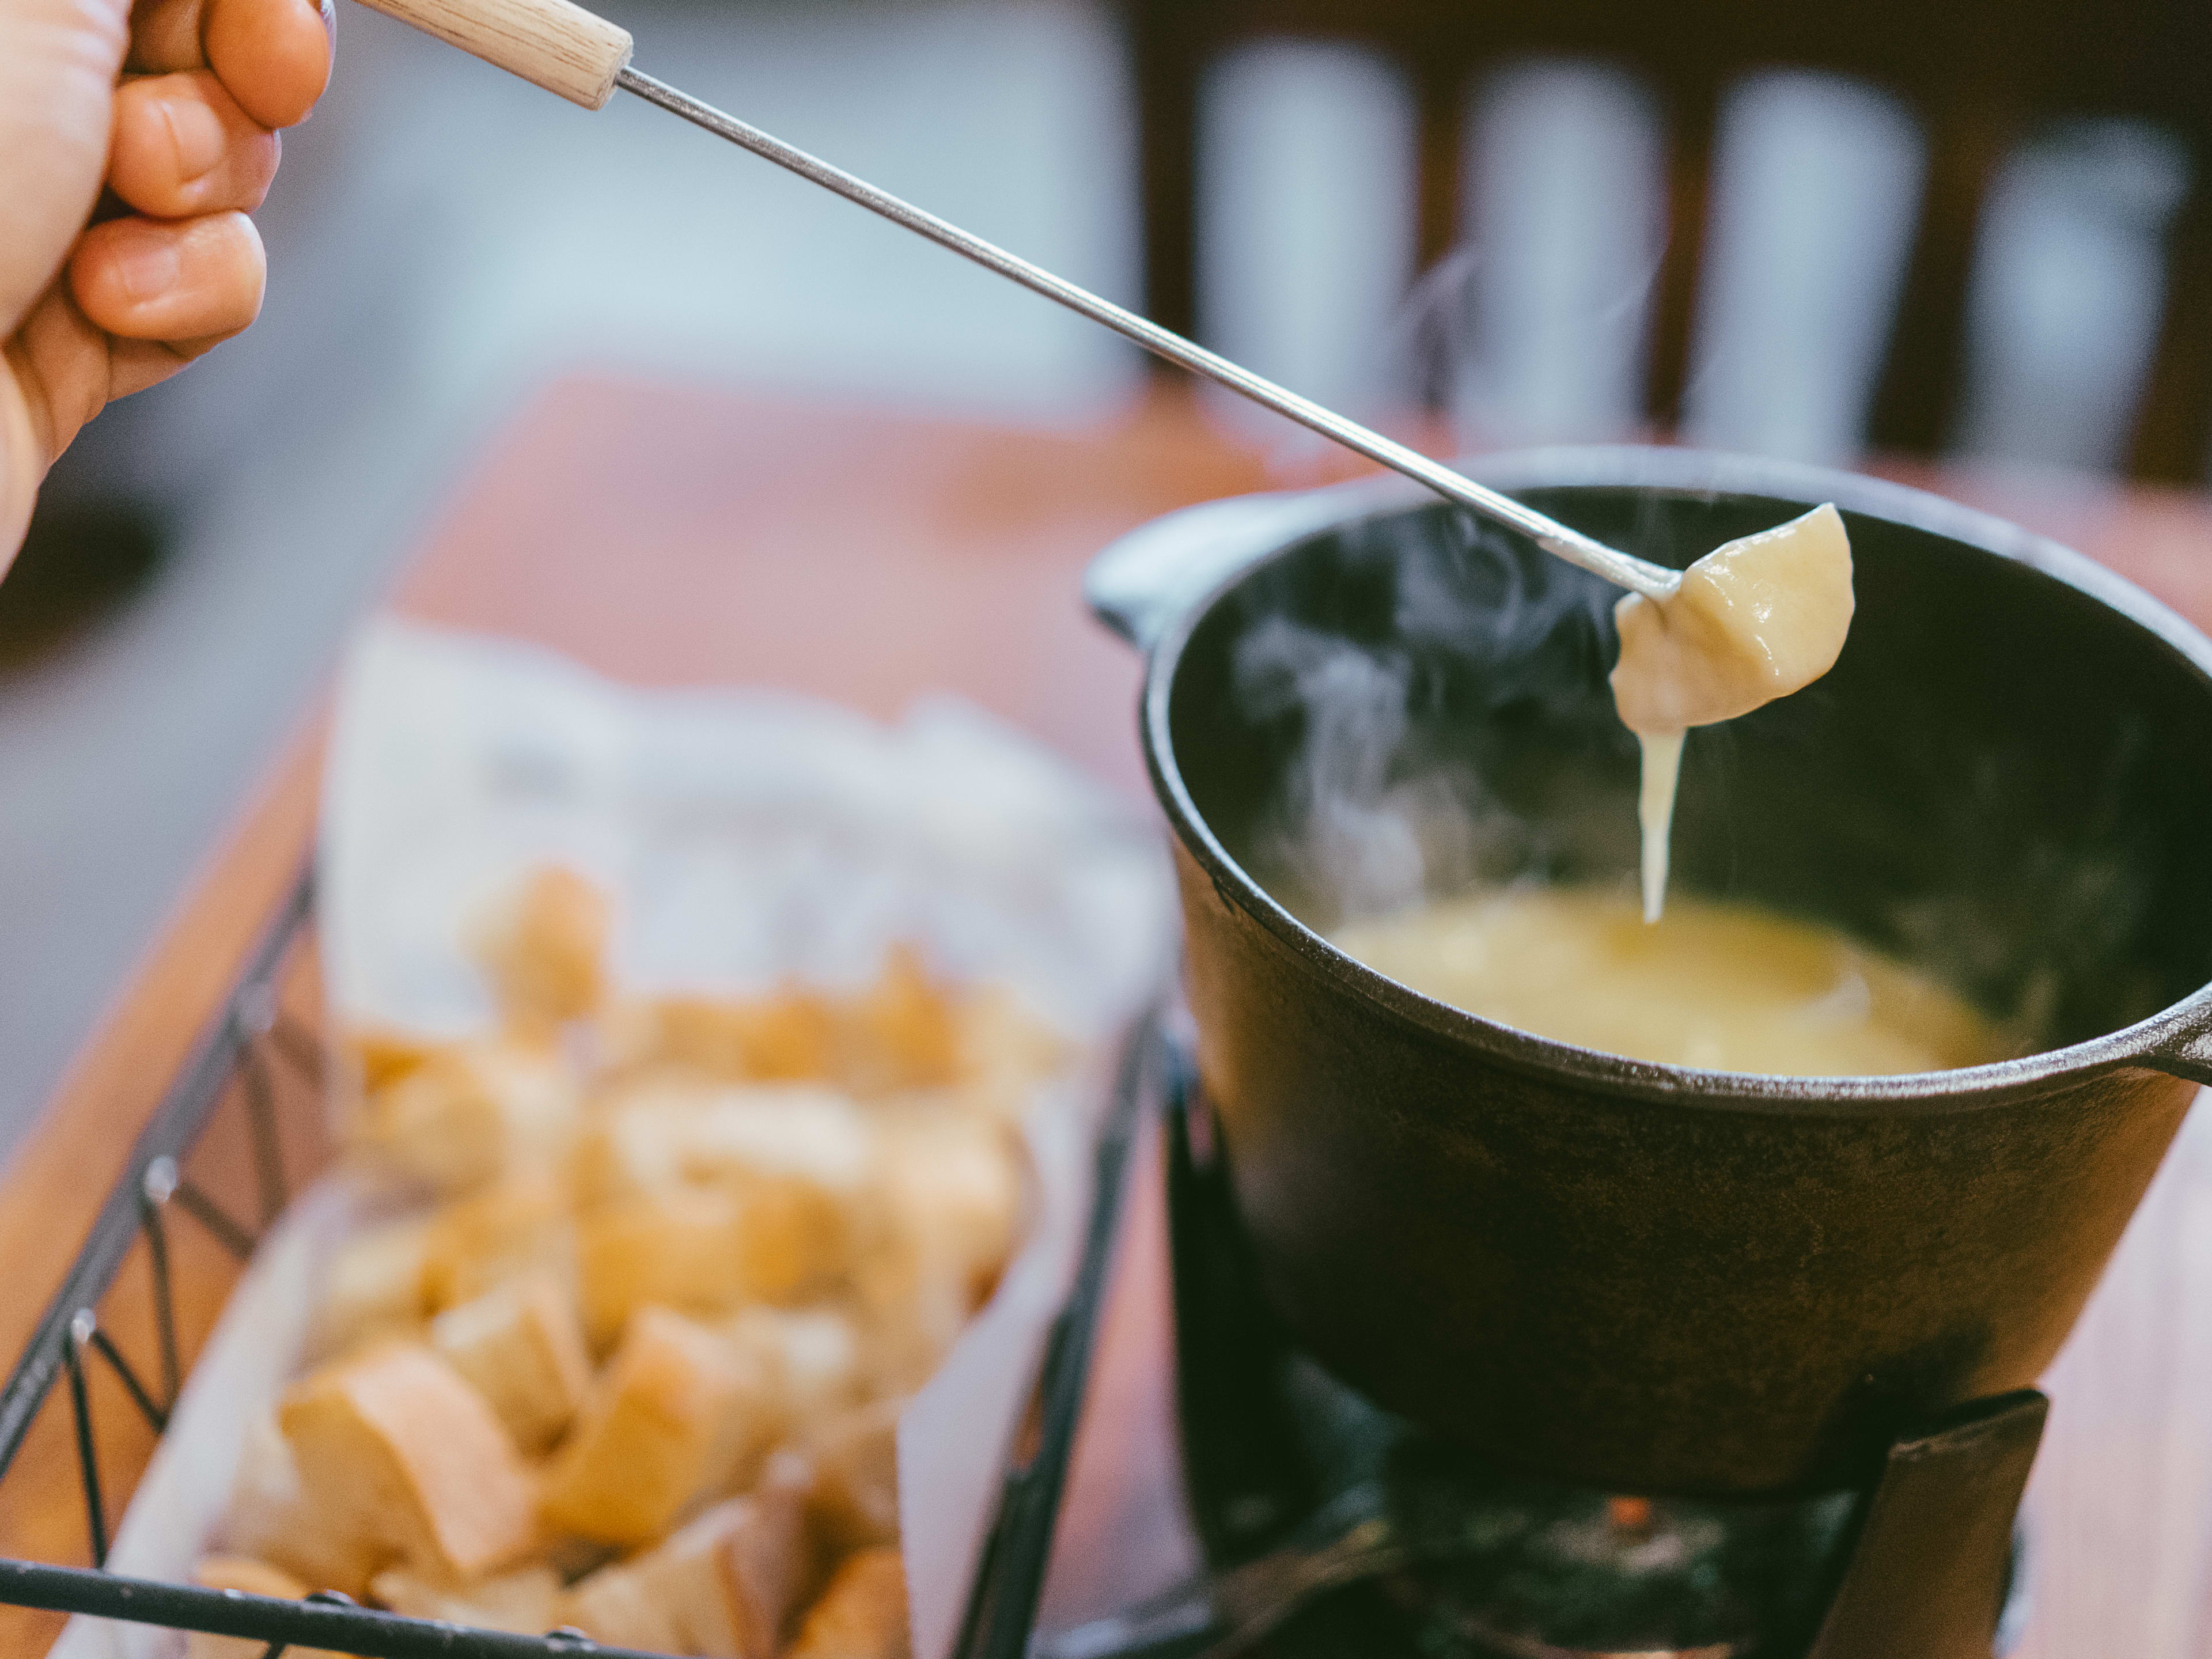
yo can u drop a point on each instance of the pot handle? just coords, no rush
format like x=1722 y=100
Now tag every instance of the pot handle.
x=1137 y=586
x=2187 y=1053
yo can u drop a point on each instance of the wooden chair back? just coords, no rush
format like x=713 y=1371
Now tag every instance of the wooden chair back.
x=1979 y=74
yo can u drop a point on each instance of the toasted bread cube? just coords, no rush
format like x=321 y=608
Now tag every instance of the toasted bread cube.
x=913 y=1310
x=901 y=1034
x=854 y=1499
x=794 y=1242
x=723 y=1586
x=801 y=1132
x=470 y=1112
x=632 y=1144
x=545 y=955
x=373 y=1289
x=620 y=1607
x=812 y=1357
x=528 y=1602
x=1005 y=1053
x=270 y=1517
x=520 y=1346
x=789 y=1035
x=511 y=1229
x=861 y=1613
x=707 y=1250
x=382 y=1055
x=767 y=1561
x=661 y=1129
x=714 y=1035
x=396 y=1448
x=946 y=1213
x=732 y=1579
x=679 y=1251
x=249 y=1577
x=953 y=1184
x=799 y=1156
x=679 y=1414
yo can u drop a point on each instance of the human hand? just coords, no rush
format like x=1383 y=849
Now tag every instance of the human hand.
x=183 y=145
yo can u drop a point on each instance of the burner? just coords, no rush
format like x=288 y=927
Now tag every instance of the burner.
x=1557 y=1573
x=1332 y=1529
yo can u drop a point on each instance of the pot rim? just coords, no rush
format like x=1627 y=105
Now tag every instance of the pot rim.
x=2158 y=1042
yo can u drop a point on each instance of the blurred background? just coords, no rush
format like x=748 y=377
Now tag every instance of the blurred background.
x=1956 y=227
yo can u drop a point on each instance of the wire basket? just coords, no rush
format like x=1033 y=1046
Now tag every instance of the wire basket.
x=261 y=1056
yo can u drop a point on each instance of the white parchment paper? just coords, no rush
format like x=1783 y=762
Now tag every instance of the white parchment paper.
x=746 y=836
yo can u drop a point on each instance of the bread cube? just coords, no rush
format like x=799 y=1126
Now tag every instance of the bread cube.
x=249 y=1577
x=680 y=1250
x=723 y=1586
x=679 y=1414
x=765 y=1561
x=520 y=1346
x=852 y=1502
x=1004 y=1052
x=381 y=1055
x=797 y=1131
x=620 y=1606
x=396 y=1449
x=660 y=1128
x=271 y=1518
x=545 y=953
x=789 y=1035
x=861 y=1613
x=812 y=1357
x=796 y=1157
x=794 y=1242
x=945 y=1216
x=528 y=1602
x=707 y=1250
x=953 y=1184
x=373 y=1289
x=632 y=1145
x=512 y=1228
x=468 y=1113
x=903 y=1034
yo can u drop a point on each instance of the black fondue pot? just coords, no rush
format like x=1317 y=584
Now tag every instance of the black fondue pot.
x=1646 y=1277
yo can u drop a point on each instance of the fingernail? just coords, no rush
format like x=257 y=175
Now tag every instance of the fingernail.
x=146 y=262
x=197 y=134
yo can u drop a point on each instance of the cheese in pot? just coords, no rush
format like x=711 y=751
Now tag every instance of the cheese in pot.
x=1752 y=621
x=1720 y=987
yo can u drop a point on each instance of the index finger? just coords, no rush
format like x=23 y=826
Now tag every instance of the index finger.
x=165 y=37
x=273 y=57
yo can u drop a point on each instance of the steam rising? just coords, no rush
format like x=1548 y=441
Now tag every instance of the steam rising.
x=1445 y=627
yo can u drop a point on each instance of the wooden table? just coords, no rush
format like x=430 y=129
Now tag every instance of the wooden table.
x=683 y=536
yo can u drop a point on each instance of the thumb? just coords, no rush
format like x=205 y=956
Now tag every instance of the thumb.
x=58 y=60
x=22 y=458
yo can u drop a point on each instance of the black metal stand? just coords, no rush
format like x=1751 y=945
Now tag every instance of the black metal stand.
x=1917 y=1568
x=1931 y=1566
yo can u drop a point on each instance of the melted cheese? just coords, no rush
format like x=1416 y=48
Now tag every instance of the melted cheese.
x=1753 y=620
x=1719 y=987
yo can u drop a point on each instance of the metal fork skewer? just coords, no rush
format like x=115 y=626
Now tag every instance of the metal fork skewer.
x=1643 y=577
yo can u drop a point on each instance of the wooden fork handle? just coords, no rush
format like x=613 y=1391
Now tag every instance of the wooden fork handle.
x=557 y=45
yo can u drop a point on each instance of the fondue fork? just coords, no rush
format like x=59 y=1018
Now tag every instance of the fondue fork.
x=561 y=47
